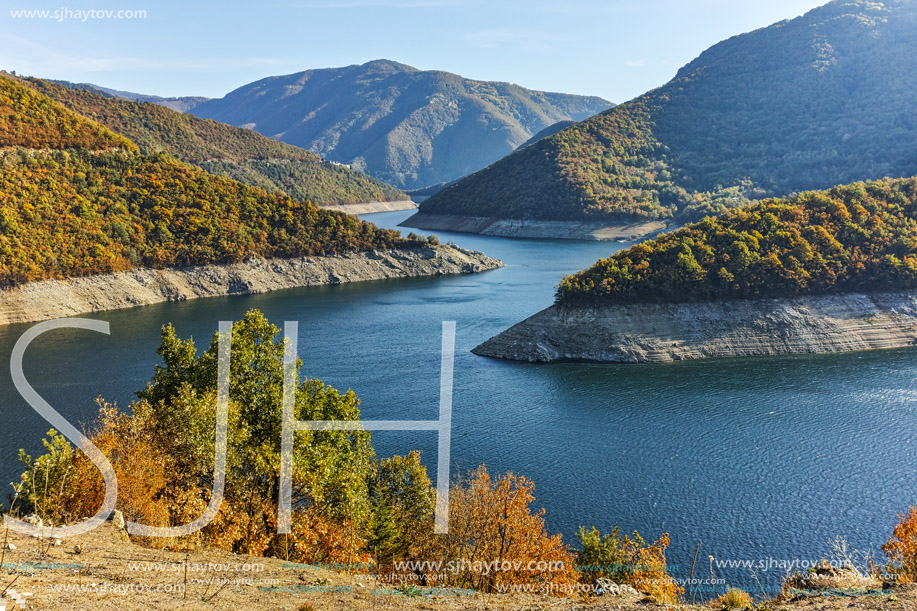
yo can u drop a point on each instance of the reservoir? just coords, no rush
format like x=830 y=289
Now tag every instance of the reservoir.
x=765 y=461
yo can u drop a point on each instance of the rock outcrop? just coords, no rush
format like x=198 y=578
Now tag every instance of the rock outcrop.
x=372 y=207
x=659 y=333
x=59 y=298
x=515 y=228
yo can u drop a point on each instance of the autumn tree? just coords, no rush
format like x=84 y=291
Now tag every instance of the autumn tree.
x=491 y=521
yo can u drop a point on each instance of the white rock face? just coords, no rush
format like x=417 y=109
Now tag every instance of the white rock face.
x=510 y=228
x=659 y=333
x=60 y=298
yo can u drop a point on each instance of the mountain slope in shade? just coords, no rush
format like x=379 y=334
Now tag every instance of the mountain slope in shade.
x=821 y=100
x=224 y=150
x=408 y=127
x=178 y=104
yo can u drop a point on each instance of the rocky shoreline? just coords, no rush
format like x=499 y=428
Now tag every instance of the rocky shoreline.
x=660 y=333
x=49 y=299
x=372 y=207
x=510 y=228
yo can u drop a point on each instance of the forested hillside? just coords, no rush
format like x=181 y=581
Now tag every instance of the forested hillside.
x=821 y=100
x=411 y=128
x=856 y=238
x=32 y=120
x=69 y=207
x=241 y=154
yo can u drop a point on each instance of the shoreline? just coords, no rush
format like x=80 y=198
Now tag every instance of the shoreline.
x=48 y=299
x=514 y=228
x=662 y=333
x=372 y=207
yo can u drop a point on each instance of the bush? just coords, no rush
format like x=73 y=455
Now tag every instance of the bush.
x=901 y=548
x=734 y=598
x=491 y=521
x=403 y=502
x=628 y=560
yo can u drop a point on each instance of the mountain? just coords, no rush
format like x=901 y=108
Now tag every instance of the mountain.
x=178 y=104
x=221 y=149
x=77 y=199
x=410 y=128
x=821 y=100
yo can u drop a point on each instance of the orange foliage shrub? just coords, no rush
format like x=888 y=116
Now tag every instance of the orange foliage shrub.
x=734 y=598
x=145 y=481
x=650 y=570
x=901 y=548
x=491 y=523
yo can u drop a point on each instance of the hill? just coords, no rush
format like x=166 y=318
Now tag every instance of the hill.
x=819 y=272
x=31 y=120
x=100 y=206
x=408 y=127
x=221 y=149
x=821 y=100
x=178 y=104
x=856 y=238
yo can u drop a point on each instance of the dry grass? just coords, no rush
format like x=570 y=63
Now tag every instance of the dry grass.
x=734 y=599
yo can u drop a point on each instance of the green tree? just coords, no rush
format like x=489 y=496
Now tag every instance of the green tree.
x=330 y=468
x=401 y=492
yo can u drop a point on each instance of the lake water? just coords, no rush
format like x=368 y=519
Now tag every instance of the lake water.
x=758 y=459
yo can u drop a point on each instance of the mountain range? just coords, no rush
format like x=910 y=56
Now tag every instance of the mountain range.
x=809 y=103
x=410 y=128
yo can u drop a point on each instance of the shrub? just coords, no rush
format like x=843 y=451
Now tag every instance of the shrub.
x=734 y=598
x=901 y=548
x=403 y=501
x=628 y=560
x=491 y=521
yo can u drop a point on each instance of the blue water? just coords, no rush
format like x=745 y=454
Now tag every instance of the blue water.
x=755 y=458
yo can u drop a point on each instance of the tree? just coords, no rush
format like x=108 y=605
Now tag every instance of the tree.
x=404 y=500
x=492 y=524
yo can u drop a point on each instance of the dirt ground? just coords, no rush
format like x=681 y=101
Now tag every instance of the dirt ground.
x=108 y=571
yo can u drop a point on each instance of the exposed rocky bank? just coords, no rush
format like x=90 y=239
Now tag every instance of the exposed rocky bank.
x=510 y=228
x=372 y=207
x=59 y=298
x=659 y=333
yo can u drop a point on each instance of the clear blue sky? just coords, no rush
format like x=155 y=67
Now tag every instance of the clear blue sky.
x=613 y=48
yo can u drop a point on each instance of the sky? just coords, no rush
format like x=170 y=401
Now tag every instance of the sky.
x=616 y=49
